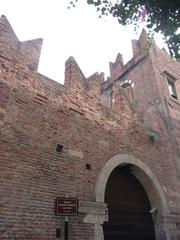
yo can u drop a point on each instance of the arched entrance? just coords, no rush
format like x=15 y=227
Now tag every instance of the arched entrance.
x=128 y=207
x=148 y=182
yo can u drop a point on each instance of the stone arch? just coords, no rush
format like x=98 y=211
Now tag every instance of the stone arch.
x=149 y=182
x=142 y=173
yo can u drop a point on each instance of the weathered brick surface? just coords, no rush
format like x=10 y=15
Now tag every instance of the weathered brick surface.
x=37 y=113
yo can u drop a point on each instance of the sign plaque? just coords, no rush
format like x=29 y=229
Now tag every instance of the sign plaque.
x=66 y=206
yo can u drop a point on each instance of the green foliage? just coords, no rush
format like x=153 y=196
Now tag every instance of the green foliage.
x=160 y=15
x=152 y=136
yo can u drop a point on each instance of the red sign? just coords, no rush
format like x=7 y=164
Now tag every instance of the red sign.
x=66 y=206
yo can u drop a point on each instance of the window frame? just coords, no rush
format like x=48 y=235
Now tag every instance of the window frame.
x=171 y=86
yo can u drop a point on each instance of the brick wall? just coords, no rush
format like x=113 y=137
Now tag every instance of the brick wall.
x=37 y=113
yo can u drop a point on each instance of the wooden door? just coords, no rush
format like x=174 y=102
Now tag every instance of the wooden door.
x=128 y=207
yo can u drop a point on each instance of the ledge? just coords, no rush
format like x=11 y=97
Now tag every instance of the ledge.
x=92 y=207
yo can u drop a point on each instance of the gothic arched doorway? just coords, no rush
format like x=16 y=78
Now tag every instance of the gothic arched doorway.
x=128 y=207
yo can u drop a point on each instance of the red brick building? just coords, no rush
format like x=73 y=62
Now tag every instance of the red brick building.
x=114 y=145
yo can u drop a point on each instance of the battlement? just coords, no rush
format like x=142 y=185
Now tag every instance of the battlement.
x=24 y=55
x=19 y=70
x=19 y=65
x=140 y=49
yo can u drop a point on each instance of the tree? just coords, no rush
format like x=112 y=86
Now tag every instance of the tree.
x=160 y=16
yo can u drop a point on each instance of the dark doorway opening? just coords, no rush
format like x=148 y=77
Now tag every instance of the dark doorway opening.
x=128 y=208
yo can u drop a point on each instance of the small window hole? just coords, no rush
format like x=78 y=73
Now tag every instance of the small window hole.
x=88 y=166
x=58 y=233
x=59 y=148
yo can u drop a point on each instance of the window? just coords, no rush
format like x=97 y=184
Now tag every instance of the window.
x=171 y=86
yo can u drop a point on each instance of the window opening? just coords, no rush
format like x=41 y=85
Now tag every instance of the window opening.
x=171 y=86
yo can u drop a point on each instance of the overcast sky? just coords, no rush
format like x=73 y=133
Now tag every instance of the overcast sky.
x=78 y=32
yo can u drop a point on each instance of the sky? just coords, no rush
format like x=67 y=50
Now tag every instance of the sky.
x=77 y=32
